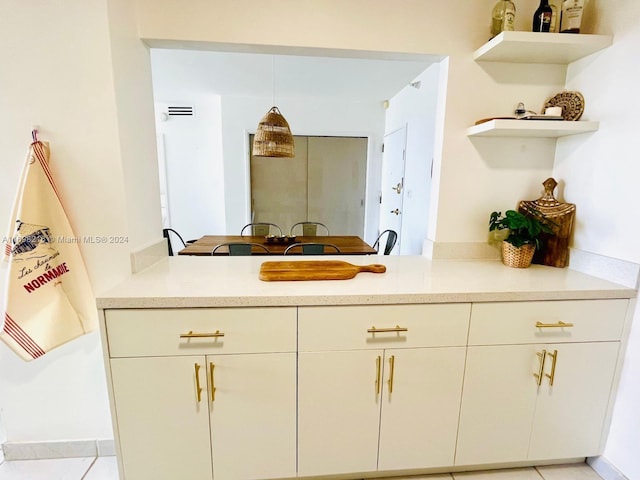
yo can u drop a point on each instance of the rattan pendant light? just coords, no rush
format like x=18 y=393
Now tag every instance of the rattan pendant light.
x=273 y=137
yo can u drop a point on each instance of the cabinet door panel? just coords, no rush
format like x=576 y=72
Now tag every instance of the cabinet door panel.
x=253 y=415
x=163 y=429
x=420 y=416
x=570 y=414
x=339 y=412
x=498 y=403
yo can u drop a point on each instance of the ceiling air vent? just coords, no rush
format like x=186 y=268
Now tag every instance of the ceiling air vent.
x=180 y=111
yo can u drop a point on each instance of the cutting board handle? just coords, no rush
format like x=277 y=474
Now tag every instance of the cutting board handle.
x=373 y=268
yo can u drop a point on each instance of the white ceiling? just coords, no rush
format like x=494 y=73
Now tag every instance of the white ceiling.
x=178 y=74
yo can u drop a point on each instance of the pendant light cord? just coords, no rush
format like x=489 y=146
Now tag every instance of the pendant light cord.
x=273 y=80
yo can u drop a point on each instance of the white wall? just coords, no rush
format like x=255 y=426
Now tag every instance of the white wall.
x=416 y=108
x=240 y=116
x=77 y=108
x=193 y=162
x=600 y=173
x=65 y=70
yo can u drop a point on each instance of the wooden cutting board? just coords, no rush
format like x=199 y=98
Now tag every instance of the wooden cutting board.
x=314 y=270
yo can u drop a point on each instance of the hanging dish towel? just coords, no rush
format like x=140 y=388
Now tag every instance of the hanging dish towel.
x=48 y=298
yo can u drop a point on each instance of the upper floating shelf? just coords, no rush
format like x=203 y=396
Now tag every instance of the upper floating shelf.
x=533 y=47
x=531 y=128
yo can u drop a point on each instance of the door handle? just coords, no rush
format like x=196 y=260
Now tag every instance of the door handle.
x=397 y=188
x=198 y=387
x=541 y=356
x=396 y=211
x=378 y=371
x=392 y=364
x=551 y=376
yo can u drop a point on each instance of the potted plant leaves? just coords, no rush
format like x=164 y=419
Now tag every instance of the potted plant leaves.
x=523 y=238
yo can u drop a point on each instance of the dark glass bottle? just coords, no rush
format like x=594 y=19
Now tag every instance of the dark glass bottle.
x=542 y=17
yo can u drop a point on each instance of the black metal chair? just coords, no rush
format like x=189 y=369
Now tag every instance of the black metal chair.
x=309 y=229
x=260 y=229
x=392 y=238
x=311 y=248
x=241 y=248
x=167 y=233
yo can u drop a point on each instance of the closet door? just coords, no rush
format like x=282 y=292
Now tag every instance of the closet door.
x=325 y=182
x=337 y=175
x=279 y=187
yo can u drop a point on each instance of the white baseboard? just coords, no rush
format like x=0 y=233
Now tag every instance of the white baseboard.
x=58 y=449
x=603 y=468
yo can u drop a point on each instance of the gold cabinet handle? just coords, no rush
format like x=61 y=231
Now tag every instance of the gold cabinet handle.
x=395 y=329
x=198 y=388
x=190 y=334
x=392 y=362
x=551 y=376
x=211 y=382
x=560 y=324
x=542 y=356
x=378 y=364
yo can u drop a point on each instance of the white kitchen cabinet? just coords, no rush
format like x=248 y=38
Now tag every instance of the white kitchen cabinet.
x=511 y=410
x=183 y=411
x=392 y=399
x=163 y=429
x=253 y=415
x=419 y=418
x=339 y=412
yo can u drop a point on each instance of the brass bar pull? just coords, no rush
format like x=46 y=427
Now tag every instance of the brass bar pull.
x=397 y=328
x=392 y=361
x=378 y=364
x=551 y=376
x=542 y=356
x=190 y=334
x=560 y=324
x=198 y=388
x=213 y=385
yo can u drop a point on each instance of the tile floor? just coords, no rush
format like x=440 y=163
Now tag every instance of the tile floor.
x=105 y=468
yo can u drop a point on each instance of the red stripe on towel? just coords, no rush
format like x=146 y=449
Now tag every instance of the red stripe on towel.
x=21 y=337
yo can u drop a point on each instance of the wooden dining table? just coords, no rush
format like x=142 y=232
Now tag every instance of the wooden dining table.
x=348 y=245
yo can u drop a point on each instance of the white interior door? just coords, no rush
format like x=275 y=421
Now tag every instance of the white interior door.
x=392 y=184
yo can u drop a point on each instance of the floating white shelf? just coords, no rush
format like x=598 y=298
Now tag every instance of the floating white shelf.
x=532 y=47
x=531 y=128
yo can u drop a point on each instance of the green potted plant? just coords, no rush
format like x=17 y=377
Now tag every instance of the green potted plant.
x=523 y=238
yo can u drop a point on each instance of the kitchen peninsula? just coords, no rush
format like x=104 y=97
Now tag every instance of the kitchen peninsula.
x=430 y=366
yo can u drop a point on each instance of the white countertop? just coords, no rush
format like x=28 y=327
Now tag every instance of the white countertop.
x=233 y=281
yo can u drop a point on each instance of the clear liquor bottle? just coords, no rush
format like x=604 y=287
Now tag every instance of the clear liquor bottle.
x=503 y=17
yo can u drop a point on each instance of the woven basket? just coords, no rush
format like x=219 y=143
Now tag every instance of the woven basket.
x=273 y=137
x=517 y=257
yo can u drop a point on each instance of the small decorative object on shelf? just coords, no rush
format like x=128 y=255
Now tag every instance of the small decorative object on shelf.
x=572 y=104
x=571 y=16
x=555 y=15
x=503 y=17
x=542 y=17
x=554 y=245
x=520 y=245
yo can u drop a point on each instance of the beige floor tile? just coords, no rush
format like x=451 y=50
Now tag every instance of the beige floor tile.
x=57 y=468
x=442 y=476
x=104 y=468
x=506 y=474
x=578 y=471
